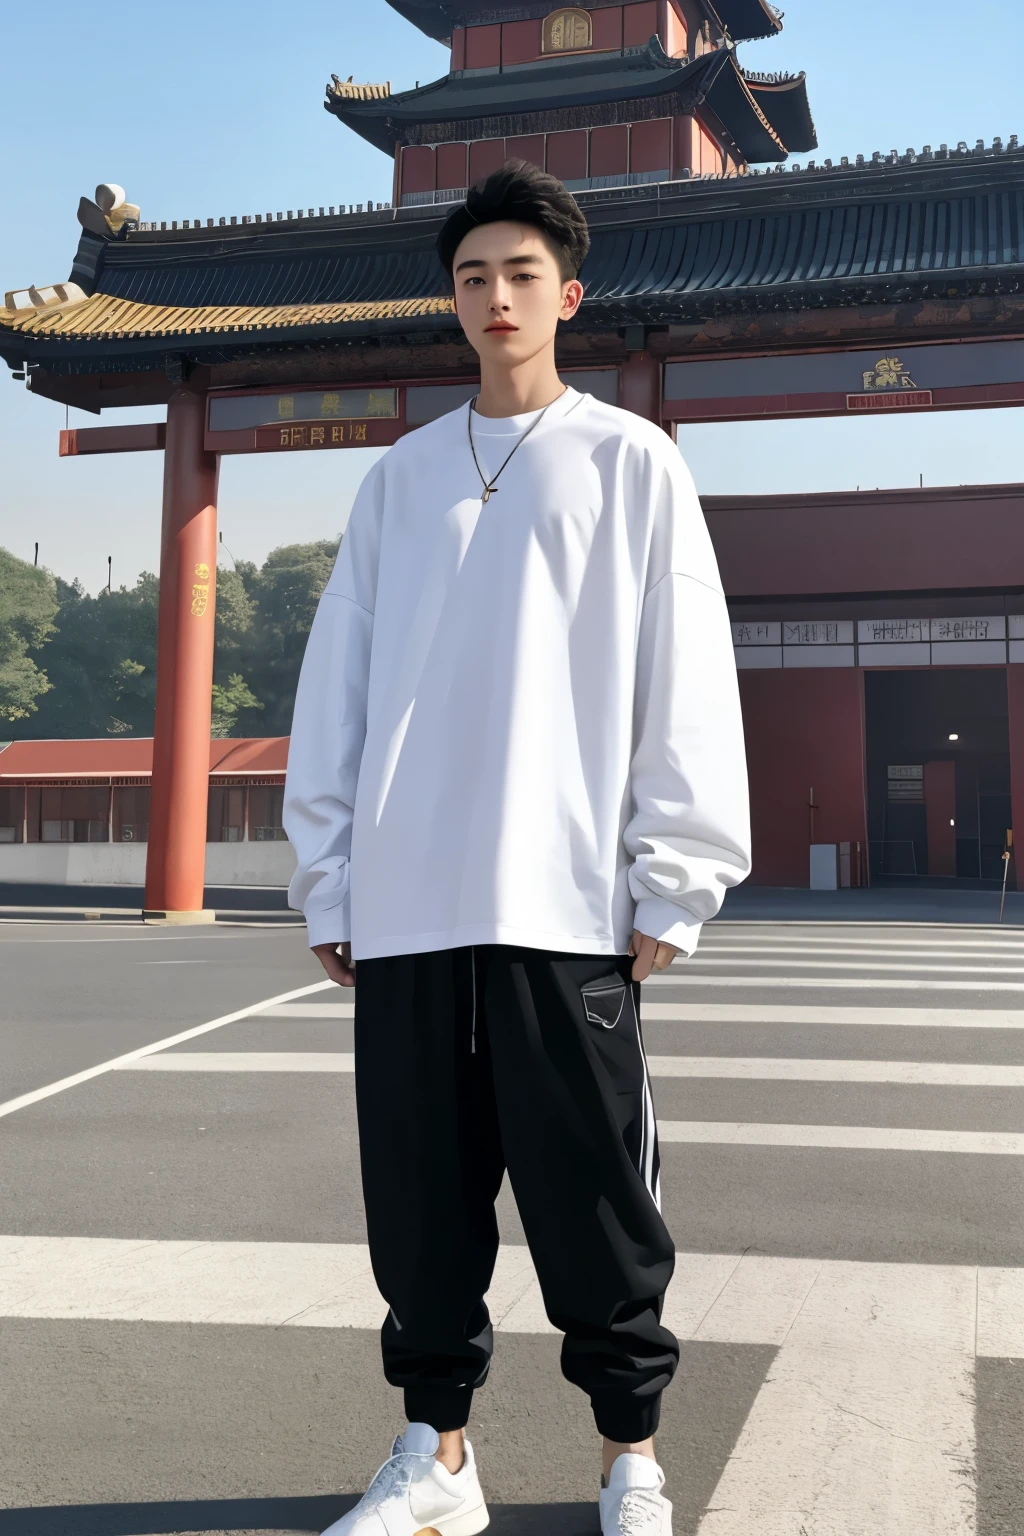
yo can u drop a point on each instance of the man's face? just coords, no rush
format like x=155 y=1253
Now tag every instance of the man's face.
x=509 y=292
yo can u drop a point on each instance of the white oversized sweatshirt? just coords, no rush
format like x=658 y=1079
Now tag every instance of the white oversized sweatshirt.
x=518 y=722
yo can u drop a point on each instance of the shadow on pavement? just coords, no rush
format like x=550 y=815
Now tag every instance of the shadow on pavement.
x=263 y=1517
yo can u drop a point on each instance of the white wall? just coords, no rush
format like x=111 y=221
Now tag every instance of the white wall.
x=125 y=863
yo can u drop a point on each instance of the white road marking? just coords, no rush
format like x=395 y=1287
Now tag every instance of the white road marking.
x=311 y=1010
x=865 y=1422
x=1011 y=942
x=719 y=1298
x=115 y=1062
x=796 y=1014
x=829 y=983
x=855 y=1138
x=929 y=968
x=1001 y=1313
x=245 y=1061
x=861 y=956
x=799 y=1070
x=755 y=1068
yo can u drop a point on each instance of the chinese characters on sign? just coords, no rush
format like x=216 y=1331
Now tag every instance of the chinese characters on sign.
x=342 y=434
x=348 y=403
x=888 y=373
x=888 y=386
x=818 y=632
x=756 y=632
x=892 y=631
x=906 y=782
x=200 y=590
x=911 y=631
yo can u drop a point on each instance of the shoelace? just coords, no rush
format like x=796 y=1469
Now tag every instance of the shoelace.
x=395 y=1474
x=640 y=1513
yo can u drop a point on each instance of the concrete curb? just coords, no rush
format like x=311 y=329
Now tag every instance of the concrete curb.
x=133 y=915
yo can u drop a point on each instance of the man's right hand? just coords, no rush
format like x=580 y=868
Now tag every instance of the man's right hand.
x=337 y=961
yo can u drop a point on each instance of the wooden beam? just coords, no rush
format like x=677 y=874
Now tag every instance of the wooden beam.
x=136 y=438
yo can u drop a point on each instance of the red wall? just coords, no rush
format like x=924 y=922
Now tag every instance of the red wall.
x=418 y=168
x=1015 y=692
x=804 y=730
x=609 y=150
x=529 y=147
x=639 y=23
x=876 y=541
x=650 y=145
x=567 y=154
x=614 y=27
x=452 y=163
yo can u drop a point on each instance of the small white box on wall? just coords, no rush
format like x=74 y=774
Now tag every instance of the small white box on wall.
x=824 y=867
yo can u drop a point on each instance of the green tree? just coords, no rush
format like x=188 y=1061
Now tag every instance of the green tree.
x=101 y=663
x=229 y=700
x=28 y=604
x=286 y=592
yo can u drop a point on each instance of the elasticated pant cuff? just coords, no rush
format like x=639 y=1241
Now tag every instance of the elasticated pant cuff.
x=624 y=1418
x=443 y=1408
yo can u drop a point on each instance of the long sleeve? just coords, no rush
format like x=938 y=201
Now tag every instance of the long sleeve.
x=329 y=726
x=689 y=835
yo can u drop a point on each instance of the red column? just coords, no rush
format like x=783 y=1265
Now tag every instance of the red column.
x=1015 y=691
x=640 y=385
x=176 y=856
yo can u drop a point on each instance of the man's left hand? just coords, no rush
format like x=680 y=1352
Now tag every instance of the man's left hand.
x=650 y=954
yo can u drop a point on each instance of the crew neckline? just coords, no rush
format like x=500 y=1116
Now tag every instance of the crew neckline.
x=509 y=426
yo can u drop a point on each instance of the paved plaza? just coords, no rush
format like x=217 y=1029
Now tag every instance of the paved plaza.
x=188 y=1322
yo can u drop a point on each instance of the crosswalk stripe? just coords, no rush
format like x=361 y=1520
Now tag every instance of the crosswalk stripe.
x=801 y=1015
x=862 y=955
x=865 y=1422
x=798 y=1070
x=755 y=1068
x=244 y=1061
x=929 y=968
x=719 y=1298
x=849 y=1138
x=924 y=1017
x=781 y=941
x=833 y=983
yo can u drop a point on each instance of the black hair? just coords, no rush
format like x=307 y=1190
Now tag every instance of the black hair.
x=523 y=194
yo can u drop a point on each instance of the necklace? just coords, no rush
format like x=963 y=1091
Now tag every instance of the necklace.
x=489 y=485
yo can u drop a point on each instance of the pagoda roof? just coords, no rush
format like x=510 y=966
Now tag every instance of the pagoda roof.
x=555 y=85
x=662 y=254
x=783 y=101
x=742 y=19
x=747 y=107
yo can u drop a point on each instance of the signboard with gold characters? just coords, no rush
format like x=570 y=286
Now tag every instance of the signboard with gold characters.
x=888 y=373
x=888 y=386
x=200 y=590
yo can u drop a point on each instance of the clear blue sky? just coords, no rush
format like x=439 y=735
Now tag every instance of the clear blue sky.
x=204 y=109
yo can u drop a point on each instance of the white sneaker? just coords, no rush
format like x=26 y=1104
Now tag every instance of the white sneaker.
x=412 y=1494
x=633 y=1504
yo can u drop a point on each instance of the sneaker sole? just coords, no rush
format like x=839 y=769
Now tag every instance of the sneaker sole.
x=468 y=1523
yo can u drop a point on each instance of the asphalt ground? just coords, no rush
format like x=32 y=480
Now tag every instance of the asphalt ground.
x=183 y=1401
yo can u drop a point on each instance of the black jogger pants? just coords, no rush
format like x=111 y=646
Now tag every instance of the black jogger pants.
x=485 y=1057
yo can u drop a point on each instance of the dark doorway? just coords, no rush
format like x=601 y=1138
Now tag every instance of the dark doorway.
x=938 y=808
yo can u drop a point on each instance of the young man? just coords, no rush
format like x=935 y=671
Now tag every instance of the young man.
x=516 y=787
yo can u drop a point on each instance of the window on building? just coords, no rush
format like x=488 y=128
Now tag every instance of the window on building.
x=225 y=821
x=12 y=814
x=131 y=814
x=69 y=814
x=567 y=30
x=266 y=803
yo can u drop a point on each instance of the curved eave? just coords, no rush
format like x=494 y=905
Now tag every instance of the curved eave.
x=730 y=98
x=457 y=99
x=103 y=319
x=427 y=15
x=785 y=105
x=748 y=19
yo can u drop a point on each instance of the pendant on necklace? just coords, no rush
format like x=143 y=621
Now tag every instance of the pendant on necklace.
x=487 y=493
